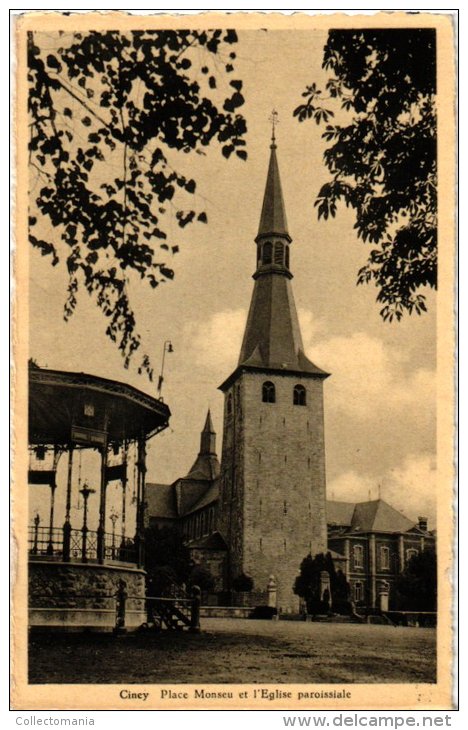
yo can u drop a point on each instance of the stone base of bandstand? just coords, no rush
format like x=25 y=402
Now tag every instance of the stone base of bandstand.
x=82 y=596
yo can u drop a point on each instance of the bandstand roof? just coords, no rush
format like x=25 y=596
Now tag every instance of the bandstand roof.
x=66 y=407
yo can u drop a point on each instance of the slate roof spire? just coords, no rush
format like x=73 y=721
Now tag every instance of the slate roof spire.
x=273 y=217
x=272 y=338
x=208 y=436
x=206 y=465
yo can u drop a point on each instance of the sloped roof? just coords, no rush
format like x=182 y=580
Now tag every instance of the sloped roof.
x=188 y=492
x=273 y=217
x=160 y=500
x=272 y=338
x=215 y=541
x=210 y=495
x=372 y=516
x=340 y=513
x=206 y=467
x=378 y=516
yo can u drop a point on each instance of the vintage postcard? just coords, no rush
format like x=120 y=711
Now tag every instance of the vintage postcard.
x=234 y=361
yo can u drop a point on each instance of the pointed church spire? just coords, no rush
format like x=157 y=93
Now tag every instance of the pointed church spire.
x=272 y=338
x=273 y=218
x=206 y=465
x=208 y=437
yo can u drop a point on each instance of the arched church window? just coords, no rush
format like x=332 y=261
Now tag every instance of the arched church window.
x=268 y=392
x=279 y=253
x=229 y=404
x=287 y=257
x=299 y=395
x=267 y=253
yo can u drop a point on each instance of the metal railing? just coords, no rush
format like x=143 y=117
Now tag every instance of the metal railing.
x=120 y=548
x=78 y=545
x=45 y=541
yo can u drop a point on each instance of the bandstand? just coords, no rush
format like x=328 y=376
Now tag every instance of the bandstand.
x=76 y=573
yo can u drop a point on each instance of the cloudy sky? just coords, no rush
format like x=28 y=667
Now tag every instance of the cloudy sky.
x=380 y=400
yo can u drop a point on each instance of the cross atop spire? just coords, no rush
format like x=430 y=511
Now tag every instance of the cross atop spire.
x=273 y=118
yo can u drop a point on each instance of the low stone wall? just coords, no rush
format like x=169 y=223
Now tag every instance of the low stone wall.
x=225 y=612
x=83 y=595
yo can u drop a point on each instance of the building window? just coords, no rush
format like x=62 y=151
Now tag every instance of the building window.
x=229 y=404
x=385 y=558
x=287 y=257
x=285 y=507
x=358 y=591
x=358 y=556
x=268 y=392
x=267 y=253
x=279 y=253
x=410 y=554
x=299 y=395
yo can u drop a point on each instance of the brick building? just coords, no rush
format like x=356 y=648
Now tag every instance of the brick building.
x=265 y=508
x=377 y=542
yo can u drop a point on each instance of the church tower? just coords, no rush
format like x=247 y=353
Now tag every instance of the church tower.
x=272 y=498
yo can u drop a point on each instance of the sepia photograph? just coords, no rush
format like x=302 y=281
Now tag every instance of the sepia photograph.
x=234 y=389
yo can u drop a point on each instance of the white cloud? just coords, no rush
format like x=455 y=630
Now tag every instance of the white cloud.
x=369 y=378
x=215 y=344
x=410 y=487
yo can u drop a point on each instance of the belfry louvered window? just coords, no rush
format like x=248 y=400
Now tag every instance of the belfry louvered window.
x=268 y=392
x=299 y=395
x=279 y=252
x=267 y=253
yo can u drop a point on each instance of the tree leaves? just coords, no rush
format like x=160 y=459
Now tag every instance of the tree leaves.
x=101 y=191
x=383 y=161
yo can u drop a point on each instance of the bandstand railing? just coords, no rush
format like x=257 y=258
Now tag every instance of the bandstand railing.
x=45 y=541
x=78 y=545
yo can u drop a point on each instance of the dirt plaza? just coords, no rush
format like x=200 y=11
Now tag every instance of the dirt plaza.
x=239 y=651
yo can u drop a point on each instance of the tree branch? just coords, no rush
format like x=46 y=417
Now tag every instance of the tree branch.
x=84 y=104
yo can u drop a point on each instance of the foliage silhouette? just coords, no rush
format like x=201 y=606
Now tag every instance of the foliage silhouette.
x=105 y=111
x=417 y=584
x=308 y=585
x=382 y=154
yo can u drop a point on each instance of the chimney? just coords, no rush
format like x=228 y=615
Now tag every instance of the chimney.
x=422 y=523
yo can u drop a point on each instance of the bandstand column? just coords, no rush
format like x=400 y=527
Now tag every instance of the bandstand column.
x=140 y=516
x=101 y=531
x=124 y=496
x=50 y=546
x=67 y=525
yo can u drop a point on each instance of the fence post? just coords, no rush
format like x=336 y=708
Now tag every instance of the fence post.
x=195 y=612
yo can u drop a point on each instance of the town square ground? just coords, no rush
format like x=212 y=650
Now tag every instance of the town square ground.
x=240 y=651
